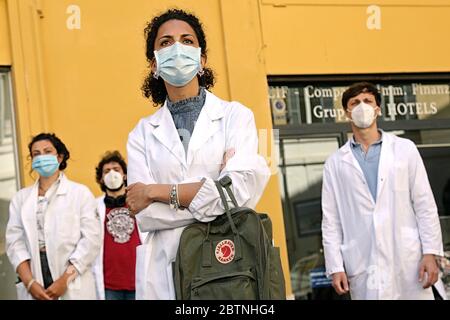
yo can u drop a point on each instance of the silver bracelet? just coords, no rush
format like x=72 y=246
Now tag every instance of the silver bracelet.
x=178 y=200
x=173 y=197
x=30 y=284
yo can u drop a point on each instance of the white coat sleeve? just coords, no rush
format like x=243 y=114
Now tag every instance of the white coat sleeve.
x=331 y=225
x=424 y=206
x=248 y=170
x=16 y=245
x=157 y=216
x=88 y=246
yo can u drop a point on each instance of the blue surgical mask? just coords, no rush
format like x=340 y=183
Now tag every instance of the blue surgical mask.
x=178 y=64
x=46 y=165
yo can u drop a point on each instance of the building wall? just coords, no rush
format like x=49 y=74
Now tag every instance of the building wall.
x=83 y=83
x=5 y=50
x=77 y=72
x=331 y=37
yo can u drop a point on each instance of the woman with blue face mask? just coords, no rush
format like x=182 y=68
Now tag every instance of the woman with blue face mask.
x=176 y=153
x=53 y=232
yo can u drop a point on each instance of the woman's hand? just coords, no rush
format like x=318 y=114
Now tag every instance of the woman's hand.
x=58 y=288
x=227 y=156
x=38 y=292
x=139 y=197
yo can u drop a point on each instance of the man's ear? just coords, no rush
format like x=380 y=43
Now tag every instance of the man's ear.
x=379 y=111
x=348 y=114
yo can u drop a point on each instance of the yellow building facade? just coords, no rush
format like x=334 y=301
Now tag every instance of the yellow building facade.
x=76 y=66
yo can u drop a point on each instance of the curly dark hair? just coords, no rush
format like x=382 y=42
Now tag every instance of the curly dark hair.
x=108 y=157
x=155 y=88
x=56 y=142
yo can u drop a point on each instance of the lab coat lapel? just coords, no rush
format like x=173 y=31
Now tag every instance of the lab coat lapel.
x=349 y=158
x=29 y=217
x=206 y=126
x=386 y=161
x=166 y=133
x=30 y=226
x=101 y=209
x=62 y=190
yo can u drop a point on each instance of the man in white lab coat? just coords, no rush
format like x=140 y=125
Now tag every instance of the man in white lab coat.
x=380 y=226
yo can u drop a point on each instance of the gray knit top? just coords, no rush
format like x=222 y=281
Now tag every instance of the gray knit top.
x=185 y=114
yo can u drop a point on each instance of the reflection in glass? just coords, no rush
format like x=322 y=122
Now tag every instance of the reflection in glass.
x=8 y=185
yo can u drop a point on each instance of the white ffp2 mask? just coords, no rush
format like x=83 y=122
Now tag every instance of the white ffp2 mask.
x=363 y=115
x=113 y=180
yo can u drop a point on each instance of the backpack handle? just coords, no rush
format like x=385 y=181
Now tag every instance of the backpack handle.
x=226 y=183
x=207 y=245
x=237 y=237
x=227 y=208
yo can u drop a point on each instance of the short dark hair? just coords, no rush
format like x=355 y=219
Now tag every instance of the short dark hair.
x=108 y=157
x=56 y=142
x=155 y=88
x=358 y=88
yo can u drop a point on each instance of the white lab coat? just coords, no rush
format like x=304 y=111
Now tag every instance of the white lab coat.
x=156 y=155
x=97 y=267
x=380 y=245
x=71 y=230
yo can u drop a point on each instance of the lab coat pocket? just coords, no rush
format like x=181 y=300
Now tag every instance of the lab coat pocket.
x=353 y=260
x=143 y=256
x=68 y=225
x=73 y=290
x=22 y=293
x=411 y=246
x=170 y=282
x=401 y=177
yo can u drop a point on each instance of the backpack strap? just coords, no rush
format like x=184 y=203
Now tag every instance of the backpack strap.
x=237 y=237
x=207 y=248
x=226 y=183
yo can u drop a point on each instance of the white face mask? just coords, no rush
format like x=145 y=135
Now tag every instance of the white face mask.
x=363 y=115
x=113 y=180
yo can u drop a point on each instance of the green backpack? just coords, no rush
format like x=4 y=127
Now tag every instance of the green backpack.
x=231 y=257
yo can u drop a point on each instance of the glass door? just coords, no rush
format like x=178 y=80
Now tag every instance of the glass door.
x=8 y=180
x=301 y=166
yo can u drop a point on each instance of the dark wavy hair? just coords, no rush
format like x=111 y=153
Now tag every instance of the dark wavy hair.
x=108 y=157
x=56 y=142
x=358 y=88
x=155 y=88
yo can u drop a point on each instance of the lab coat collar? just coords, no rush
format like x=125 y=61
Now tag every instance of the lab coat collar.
x=166 y=133
x=213 y=107
x=205 y=127
x=63 y=184
x=62 y=188
x=386 y=158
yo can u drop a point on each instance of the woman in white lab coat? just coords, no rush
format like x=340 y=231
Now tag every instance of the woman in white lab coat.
x=53 y=233
x=175 y=155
